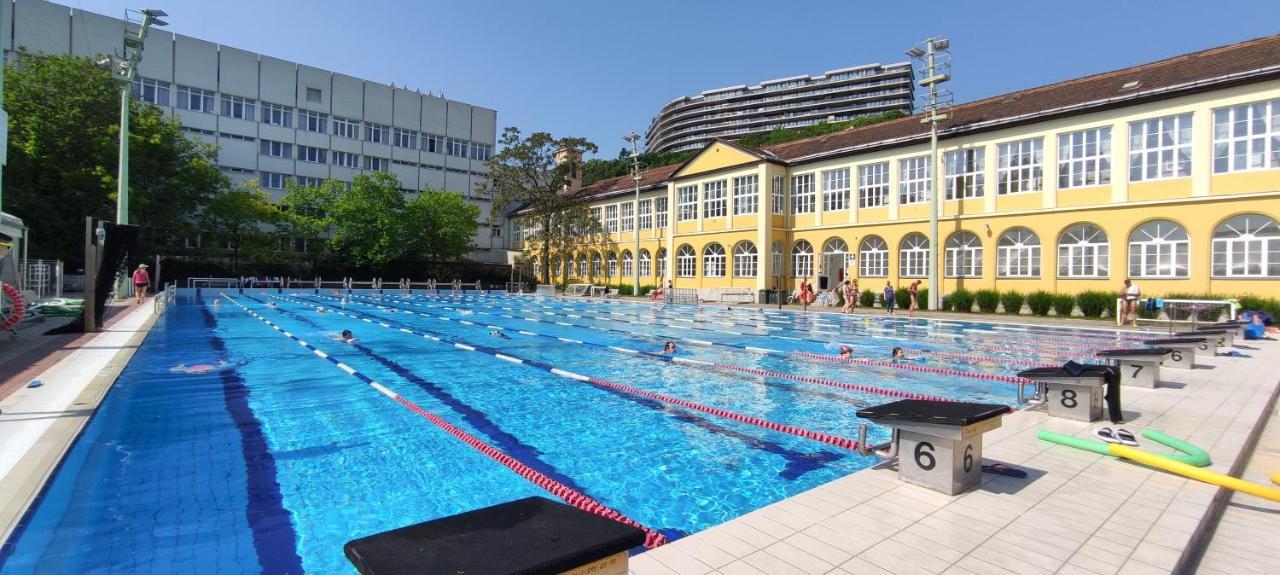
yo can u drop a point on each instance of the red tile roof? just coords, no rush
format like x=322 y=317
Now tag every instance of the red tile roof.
x=648 y=177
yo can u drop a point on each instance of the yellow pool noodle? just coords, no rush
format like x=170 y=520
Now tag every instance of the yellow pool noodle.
x=1199 y=474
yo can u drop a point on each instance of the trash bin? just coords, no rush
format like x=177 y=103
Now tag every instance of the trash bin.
x=768 y=296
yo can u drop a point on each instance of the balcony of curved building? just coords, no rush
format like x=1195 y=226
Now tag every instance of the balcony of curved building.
x=665 y=125
x=849 y=77
x=666 y=141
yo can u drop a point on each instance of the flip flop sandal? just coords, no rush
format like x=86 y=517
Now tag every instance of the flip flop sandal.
x=1125 y=437
x=1005 y=470
x=1105 y=434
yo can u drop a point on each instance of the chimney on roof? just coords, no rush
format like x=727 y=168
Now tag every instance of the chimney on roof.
x=573 y=175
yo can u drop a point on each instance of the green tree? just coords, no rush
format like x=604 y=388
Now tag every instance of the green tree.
x=440 y=225
x=304 y=216
x=241 y=220
x=63 y=152
x=367 y=221
x=525 y=177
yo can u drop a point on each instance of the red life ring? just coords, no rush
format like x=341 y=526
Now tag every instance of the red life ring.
x=19 y=307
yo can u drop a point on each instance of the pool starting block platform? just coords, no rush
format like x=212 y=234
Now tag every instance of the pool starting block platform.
x=939 y=442
x=530 y=536
x=1076 y=395
x=1184 y=349
x=1138 y=367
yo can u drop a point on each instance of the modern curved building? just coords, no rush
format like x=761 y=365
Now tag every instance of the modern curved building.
x=688 y=123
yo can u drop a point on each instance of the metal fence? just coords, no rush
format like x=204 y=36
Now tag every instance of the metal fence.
x=44 y=277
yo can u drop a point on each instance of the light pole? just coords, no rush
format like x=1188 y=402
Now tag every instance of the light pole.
x=634 y=138
x=124 y=70
x=936 y=70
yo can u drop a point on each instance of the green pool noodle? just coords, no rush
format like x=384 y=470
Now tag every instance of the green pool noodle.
x=1190 y=454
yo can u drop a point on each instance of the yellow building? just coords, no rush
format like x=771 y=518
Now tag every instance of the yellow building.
x=1168 y=173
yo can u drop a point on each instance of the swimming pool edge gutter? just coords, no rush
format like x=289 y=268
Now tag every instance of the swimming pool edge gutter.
x=29 y=479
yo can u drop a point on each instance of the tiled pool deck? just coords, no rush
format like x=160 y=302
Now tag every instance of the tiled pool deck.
x=1077 y=512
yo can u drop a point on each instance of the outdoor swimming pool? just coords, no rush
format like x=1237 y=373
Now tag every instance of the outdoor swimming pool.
x=226 y=446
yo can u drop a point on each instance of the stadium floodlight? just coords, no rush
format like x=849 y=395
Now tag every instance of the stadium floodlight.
x=935 y=69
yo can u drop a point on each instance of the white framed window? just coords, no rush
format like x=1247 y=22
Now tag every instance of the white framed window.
x=660 y=212
x=686 y=203
x=802 y=194
x=1160 y=148
x=964 y=173
x=481 y=152
x=344 y=128
x=661 y=270
x=1018 y=254
x=611 y=218
x=835 y=190
x=433 y=143
x=745 y=194
x=778 y=261
x=686 y=262
x=595 y=265
x=313 y=122
x=1246 y=137
x=312 y=154
x=346 y=159
x=626 y=264
x=597 y=216
x=873 y=185
x=277 y=115
x=778 y=193
x=802 y=259
x=377 y=133
x=744 y=260
x=276 y=149
x=626 y=216
x=611 y=265
x=572 y=267
x=1020 y=166
x=310 y=182
x=1083 y=252
x=195 y=99
x=455 y=147
x=913 y=256
x=873 y=258
x=272 y=180
x=646 y=264
x=1084 y=158
x=1159 y=249
x=402 y=138
x=915 y=182
x=713 y=261
x=963 y=255
x=237 y=107
x=376 y=164
x=151 y=91
x=714 y=203
x=1247 y=246
x=646 y=214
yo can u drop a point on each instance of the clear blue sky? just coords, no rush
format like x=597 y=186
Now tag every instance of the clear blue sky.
x=600 y=68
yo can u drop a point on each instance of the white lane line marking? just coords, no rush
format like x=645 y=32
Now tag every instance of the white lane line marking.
x=569 y=374
x=508 y=358
x=464 y=346
x=320 y=353
x=623 y=349
x=346 y=368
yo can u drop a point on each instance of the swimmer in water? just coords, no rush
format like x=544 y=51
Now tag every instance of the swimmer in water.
x=498 y=333
x=199 y=368
x=670 y=347
x=217 y=302
x=347 y=337
x=899 y=353
x=320 y=309
x=846 y=352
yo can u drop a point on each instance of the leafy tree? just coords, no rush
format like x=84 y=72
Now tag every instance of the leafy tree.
x=783 y=135
x=241 y=219
x=524 y=176
x=367 y=221
x=304 y=215
x=597 y=169
x=440 y=225
x=63 y=153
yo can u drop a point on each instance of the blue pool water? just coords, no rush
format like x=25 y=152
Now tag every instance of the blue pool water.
x=267 y=457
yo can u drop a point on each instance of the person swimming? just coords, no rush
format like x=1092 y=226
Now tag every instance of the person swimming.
x=320 y=309
x=901 y=354
x=499 y=333
x=846 y=351
x=199 y=368
x=670 y=347
x=347 y=337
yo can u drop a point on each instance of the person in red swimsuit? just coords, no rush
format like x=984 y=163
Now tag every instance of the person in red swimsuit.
x=141 y=280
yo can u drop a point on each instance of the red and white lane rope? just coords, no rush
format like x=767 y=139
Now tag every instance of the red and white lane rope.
x=567 y=494
x=914 y=367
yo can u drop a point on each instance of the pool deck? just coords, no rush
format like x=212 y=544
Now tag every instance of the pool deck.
x=1077 y=512
x=39 y=424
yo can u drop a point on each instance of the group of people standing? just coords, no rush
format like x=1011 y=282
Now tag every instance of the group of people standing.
x=849 y=290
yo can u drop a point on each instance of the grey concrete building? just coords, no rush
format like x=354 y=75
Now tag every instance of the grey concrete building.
x=689 y=122
x=275 y=121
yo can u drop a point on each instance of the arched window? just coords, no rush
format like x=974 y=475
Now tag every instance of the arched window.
x=713 y=261
x=662 y=263
x=646 y=264
x=582 y=265
x=802 y=259
x=1083 y=252
x=778 y=260
x=572 y=264
x=686 y=262
x=1159 y=249
x=835 y=246
x=611 y=264
x=626 y=264
x=964 y=255
x=874 y=256
x=1247 y=246
x=1018 y=254
x=744 y=260
x=595 y=265
x=913 y=256
x=840 y=250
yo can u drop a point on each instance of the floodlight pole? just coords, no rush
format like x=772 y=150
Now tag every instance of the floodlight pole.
x=634 y=138
x=124 y=72
x=932 y=77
